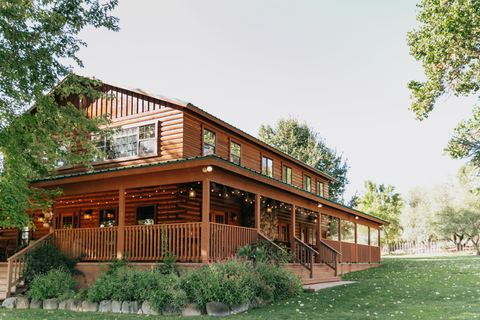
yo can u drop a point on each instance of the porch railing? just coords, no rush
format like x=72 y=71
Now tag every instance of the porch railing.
x=224 y=239
x=304 y=254
x=17 y=261
x=329 y=256
x=144 y=243
x=94 y=243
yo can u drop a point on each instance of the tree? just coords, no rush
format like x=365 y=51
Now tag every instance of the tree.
x=35 y=37
x=459 y=220
x=447 y=44
x=382 y=202
x=305 y=144
x=419 y=218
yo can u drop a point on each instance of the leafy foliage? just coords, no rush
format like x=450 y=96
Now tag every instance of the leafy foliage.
x=381 y=201
x=56 y=283
x=169 y=259
x=45 y=258
x=35 y=36
x=447 y=44
x=262 y=251
x=305 y=144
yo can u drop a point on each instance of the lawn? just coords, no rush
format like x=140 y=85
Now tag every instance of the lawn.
x=434 y=287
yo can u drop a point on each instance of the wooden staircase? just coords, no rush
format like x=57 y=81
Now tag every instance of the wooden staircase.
x=321 y=273
x=3 y=281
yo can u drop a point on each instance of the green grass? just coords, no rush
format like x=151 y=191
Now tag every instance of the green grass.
x=440 y=287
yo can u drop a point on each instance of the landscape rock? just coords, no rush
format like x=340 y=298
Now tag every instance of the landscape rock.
x=74 y=305
x=239 y=307
x=105 y=306
x=23 y=303
x=217 y=309
x=90 y=306
x=140 y=311
x=116 y=306
x=36 y=304
x=9 y=303
x=148 y=309
x=50 y=304
x=191 y=310
x=63 y=305
x=169 y=309
x=130 y=306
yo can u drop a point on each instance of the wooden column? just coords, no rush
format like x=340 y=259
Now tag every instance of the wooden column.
x=356 y=244
x=53 y=226
x=340 y=237
x=257 y=212
x=369 y=247
x=319 y=229
x=292 y=229
x=121 y=223
x=205 y=224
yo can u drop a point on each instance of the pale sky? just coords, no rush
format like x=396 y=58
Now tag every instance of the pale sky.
x=342 y=66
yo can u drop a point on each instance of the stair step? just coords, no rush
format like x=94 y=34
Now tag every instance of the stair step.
x=321 y=280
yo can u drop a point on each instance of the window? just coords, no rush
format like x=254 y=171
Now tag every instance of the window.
x=287 y=174
x=146 y=215
x=267 y=166
x=129 y=142
x=208 y=142
x=107 y=218
x=307 y=183
x=320 y=188
x=283 y=232
x=235 y=152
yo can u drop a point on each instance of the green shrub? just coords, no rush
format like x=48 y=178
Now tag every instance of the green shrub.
x=56 y=283
x=130 y=283
x=44 y=258
x=261 y=250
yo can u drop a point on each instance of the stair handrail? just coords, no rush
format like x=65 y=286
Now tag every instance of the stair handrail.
x=16 y=262
x=331 y=263
x=305 y=260
x=260 y=235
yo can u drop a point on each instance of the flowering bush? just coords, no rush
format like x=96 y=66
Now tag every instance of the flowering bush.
x=56 y=283
x=239 y=280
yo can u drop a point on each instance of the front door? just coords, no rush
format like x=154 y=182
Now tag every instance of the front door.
x=66 y=221
x=218 y=217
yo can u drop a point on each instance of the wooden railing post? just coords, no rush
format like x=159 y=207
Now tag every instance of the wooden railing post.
x=257 y=212
x=292 y=229
x=205 y=224
x=121 y=223
x=9 y=278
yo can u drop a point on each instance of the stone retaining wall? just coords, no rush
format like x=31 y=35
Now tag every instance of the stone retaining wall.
x=134 y=307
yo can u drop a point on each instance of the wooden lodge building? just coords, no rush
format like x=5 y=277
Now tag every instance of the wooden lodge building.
x=211 y=187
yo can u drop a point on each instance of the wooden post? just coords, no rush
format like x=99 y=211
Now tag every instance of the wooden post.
x=292 y=230
x=54 y=218
x=257 y=212
x=356 y=244
x=369 y=247
x=205 y=224
x=340 y=237
x=121 y=223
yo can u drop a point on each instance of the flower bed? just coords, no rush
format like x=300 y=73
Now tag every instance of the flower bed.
x=230 y=285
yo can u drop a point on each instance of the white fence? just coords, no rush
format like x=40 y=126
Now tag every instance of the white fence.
x=438 y=247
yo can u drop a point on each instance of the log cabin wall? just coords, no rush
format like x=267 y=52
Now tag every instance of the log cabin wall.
x=251 y=153
x=128 y=108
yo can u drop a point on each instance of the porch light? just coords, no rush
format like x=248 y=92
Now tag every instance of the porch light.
x=269 y=209
x=207 y=169
x=41 y=217
x=192 y=194
x=320 y=205
x=87 y=215
x=356 y=217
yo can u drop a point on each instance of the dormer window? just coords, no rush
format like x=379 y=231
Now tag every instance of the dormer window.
x=129 y=142
x=209 y=141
